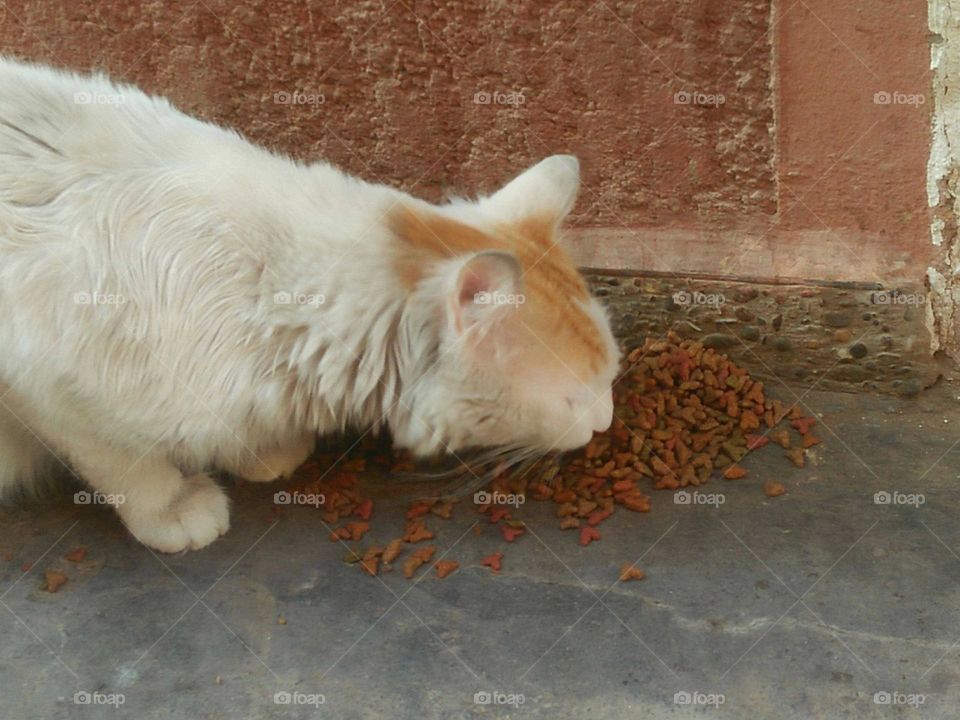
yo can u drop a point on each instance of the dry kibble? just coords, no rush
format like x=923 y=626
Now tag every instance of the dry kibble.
x=493 y=561
x=53 y=580
x=796 y=456
x=734 y=472
x=392 y=551
x=77 y=554
x=771 y=488
x=629 y=571
x=445 y=567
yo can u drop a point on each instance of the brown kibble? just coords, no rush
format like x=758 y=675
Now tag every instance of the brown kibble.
x=77 y=554
x=569 y=523
x=357 y=529
x=734 y=472
x=445 y=567
x=782 y=438
x=810 y=440
x=417 y=532
x=53 y=580
x=631 y=572
x=281 y=620
x=796 y=456
x=370 y=565
x=771 y=488
x=410 y=566
x=588 y=535
x=392 y=551
x=510 y=534
x=425 y=553
x=493 y=561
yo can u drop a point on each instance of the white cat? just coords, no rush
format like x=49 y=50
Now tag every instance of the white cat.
x=175 y=300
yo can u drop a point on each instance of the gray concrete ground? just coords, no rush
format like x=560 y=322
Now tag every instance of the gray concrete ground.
x=822 y=603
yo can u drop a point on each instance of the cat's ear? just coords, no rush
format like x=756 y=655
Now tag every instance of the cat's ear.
x=487 y=287
x=545 y=192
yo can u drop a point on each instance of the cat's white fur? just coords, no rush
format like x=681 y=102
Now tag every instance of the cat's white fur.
x=145 y=261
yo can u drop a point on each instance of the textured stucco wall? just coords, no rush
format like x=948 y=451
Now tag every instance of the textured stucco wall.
x=388 y=89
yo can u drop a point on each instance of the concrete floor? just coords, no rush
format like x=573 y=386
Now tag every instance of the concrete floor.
x=802 y=606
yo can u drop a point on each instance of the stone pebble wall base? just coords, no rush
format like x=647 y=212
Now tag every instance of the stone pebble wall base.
x=845 y=338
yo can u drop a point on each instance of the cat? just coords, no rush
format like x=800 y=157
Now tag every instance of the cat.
x=175 y=301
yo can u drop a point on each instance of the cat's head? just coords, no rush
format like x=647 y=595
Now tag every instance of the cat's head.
x=521 y=353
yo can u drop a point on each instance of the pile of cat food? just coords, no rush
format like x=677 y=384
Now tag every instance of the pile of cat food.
x=683 y=414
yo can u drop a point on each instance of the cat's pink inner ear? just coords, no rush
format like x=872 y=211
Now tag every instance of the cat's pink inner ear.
x=488 y=287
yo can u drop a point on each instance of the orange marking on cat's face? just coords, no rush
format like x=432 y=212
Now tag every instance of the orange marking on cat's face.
x=554 y=290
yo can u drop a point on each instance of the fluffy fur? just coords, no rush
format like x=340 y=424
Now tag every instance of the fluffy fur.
x=174 y=299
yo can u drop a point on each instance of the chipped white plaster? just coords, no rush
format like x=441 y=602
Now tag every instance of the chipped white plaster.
x=943 y=176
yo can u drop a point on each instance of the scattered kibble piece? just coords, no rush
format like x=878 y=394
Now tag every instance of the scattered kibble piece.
x=444 y=509
x=781 y=437
x=569 y=523
x=498 y=513
x=357 y=529
x=281 y=620
x=810 y=440
x=364 y=509
x=772 y=488
x=630 y=571
x=803 y=424
x=796 y=456
x=588 y=535
x=392 y=551
x=445 y=567
x=410 y=566
x=493 y=561
x=77 y=554
x=417 y=532
x=510 y=533
x=734 y=472
x=53 y=580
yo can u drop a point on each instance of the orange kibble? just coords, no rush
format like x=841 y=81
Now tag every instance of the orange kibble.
x=445 y=567
x=493 y=561
x=510 y=534
x=734 y=472
x=772 y=488
x=364 y=509
x=629 y=571
x=588 y=535
x=810 y=440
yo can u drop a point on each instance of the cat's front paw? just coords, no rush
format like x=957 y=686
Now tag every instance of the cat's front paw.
x=198 y=515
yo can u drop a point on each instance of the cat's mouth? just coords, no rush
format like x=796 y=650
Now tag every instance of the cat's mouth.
x=467 y=472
